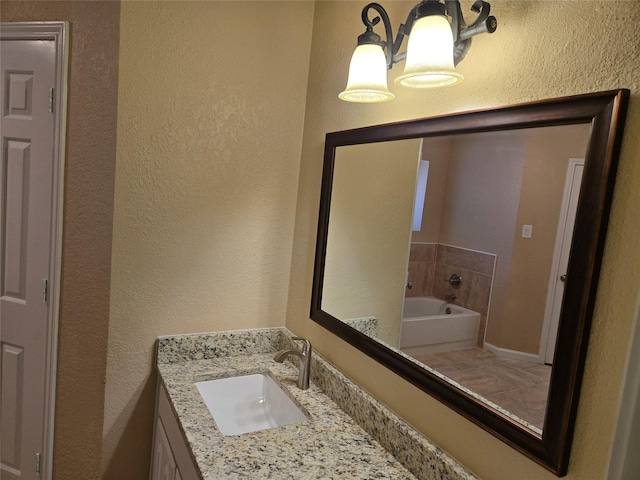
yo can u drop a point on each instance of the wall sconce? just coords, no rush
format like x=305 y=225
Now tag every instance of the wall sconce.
x=436 y=44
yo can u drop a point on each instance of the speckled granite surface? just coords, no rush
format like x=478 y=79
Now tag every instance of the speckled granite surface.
x=366 y=325
x=349 y=434
x=201 y=346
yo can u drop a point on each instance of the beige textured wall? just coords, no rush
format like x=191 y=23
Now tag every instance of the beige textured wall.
x=369 y=232
x=211 y=108
x=544 y=175
x=437 y=151
x=88 y=209
x=474 y=216
x=541 y=50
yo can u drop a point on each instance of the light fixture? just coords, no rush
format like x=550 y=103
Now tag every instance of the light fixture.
x=439 y=39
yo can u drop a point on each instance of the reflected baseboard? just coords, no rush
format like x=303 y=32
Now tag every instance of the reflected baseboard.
x=512 y=354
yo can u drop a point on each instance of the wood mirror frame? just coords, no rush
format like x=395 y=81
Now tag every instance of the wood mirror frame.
x=605 y=111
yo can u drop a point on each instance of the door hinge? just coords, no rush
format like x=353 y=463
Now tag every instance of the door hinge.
x=37 y=463
x=45 y=290
x=51 y=92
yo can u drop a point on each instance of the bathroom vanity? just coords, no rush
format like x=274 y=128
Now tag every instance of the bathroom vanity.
x=347 y=434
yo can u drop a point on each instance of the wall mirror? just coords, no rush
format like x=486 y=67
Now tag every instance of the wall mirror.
x=463 y=253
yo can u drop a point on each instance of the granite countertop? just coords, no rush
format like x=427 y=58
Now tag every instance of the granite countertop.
x=334 y=443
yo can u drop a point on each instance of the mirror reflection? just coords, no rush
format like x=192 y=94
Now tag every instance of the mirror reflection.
x=453 y=250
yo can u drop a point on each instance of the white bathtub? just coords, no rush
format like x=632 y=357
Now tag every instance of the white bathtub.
x=428 y=328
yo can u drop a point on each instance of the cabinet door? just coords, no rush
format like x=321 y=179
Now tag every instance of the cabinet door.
x=178 y=448
x=164 y=465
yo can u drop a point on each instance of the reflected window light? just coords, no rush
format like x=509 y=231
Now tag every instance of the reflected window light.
x=421 y=192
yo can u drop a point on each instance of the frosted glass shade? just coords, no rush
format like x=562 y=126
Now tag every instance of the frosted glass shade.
x=429 y=55
x=367 y=81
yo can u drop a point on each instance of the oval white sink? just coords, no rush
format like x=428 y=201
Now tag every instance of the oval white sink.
x=248 y=403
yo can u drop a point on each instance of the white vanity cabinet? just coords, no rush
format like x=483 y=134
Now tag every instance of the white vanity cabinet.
x=164 y=465
x=171 y=459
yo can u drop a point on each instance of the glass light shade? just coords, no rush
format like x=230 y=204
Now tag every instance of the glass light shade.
x=367 y=81
x=429 y=55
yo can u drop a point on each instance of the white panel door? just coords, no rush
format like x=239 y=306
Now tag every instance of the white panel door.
x=26 y=189
x=561 y=257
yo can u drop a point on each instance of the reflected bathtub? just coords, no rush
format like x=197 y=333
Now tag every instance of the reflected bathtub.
x=431 y=325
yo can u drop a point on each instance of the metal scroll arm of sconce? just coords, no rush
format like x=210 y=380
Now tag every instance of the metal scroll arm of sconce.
x=435 y=45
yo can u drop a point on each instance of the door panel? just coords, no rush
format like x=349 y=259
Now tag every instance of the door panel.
x=16 y=211
x=26 y=188
x=12 y=375
x=164 y=465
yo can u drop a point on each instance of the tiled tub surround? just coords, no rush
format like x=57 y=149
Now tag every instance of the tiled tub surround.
x=431 y=263
x=349 y=434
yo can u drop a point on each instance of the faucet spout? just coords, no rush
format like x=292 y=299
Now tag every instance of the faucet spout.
x=304 y=361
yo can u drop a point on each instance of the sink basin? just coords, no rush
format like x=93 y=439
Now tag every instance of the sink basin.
x=248 y=403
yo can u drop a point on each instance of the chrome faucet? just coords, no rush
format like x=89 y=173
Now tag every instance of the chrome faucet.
x=304 y=361
x=450 y=298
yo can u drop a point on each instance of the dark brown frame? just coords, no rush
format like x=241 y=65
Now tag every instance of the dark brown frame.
x=606 y=112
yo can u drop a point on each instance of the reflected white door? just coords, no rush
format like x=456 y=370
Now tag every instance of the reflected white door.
x=561 y=256
x=26 y=213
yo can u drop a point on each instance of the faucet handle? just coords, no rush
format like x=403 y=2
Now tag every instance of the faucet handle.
x=306 y=349
x=454 y=280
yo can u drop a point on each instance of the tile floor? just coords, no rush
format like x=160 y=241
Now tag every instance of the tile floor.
x=518 y=386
